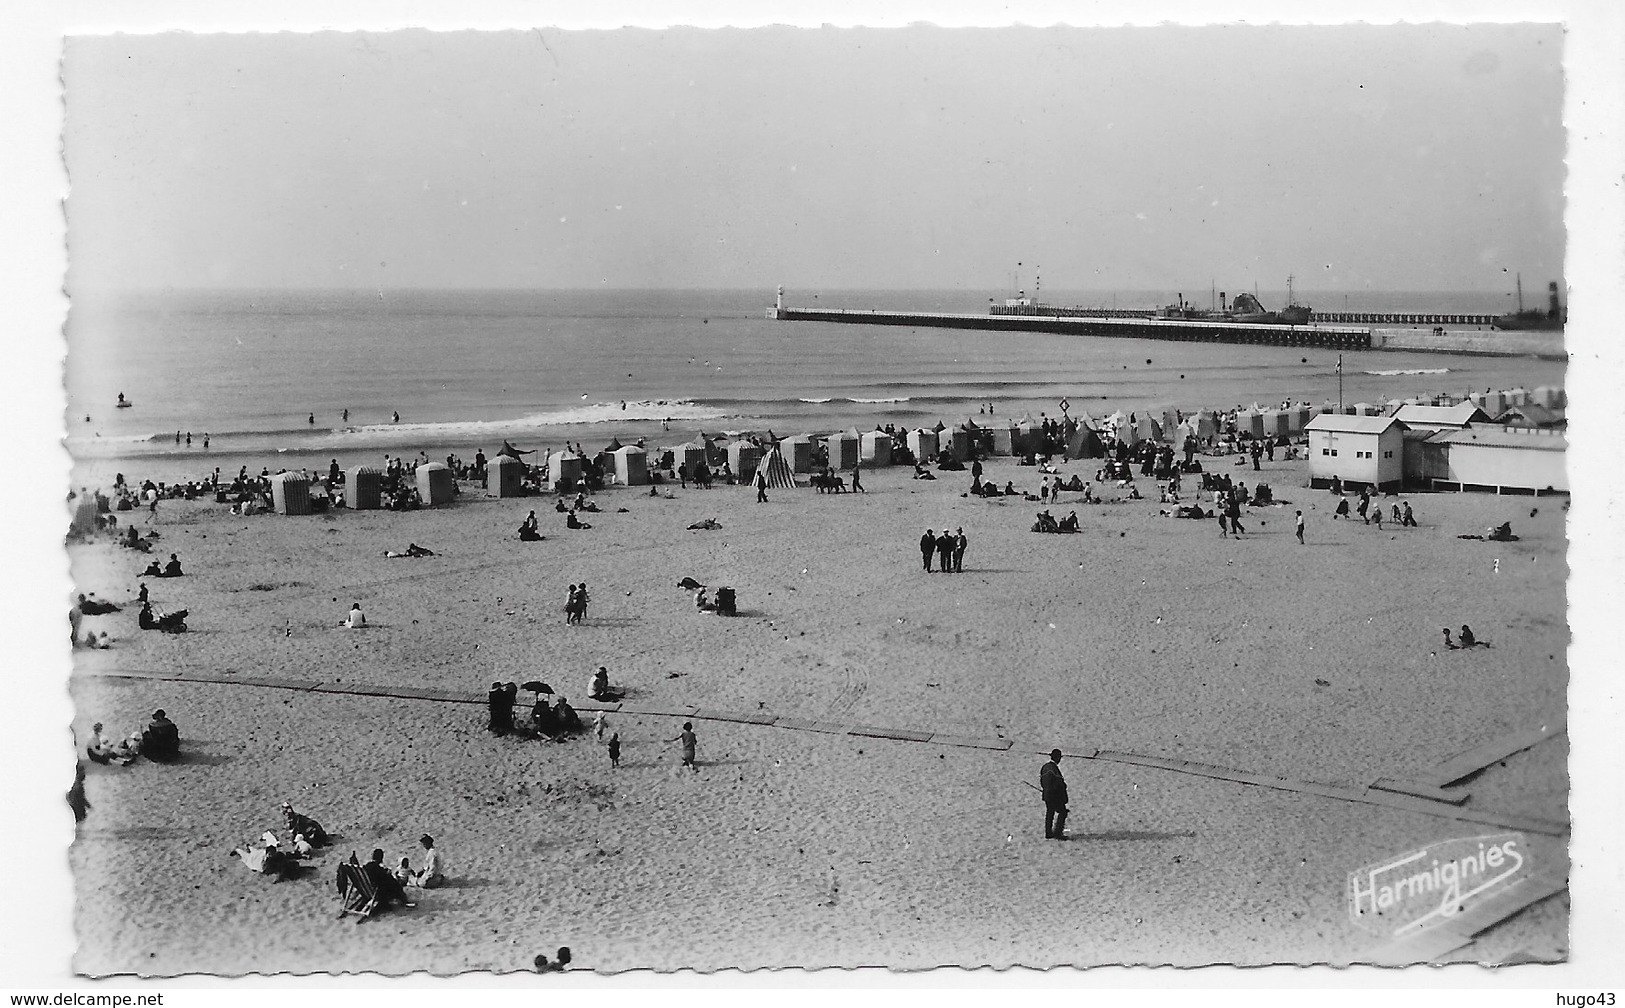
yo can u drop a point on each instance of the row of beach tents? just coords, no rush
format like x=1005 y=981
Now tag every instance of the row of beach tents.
x=1084 y=436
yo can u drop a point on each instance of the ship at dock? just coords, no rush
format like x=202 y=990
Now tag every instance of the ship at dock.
x=1549 y=320
x=1243 y=309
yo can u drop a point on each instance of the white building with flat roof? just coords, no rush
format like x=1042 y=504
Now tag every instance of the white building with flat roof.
x=1359 y=450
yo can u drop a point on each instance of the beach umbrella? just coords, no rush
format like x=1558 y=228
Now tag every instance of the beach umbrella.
x=537 y=686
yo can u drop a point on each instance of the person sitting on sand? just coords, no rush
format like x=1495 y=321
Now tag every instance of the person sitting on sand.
x=356 y=619
x=152 y=570
x=1070 y=522
x=571 y=521
x=1448 y=643
x=173 y=568
x=565 y=716
x=1342 y=509
x=161 y=739
x=304 y=825
x=433 y=872
x=1134 y=492
x=302 y=847
x=602 y=692
x=560 y=506
x=1502 y=533
x=543 y=966
x=921 y=473
x=403 y=872
x=1468 y=640
x=100 y=750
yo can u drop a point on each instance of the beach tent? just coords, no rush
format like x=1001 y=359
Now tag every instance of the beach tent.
x=1519 y=396
x=1146 y=428
x=505 y=473
x=690 y=455
x=564 y=470
x=1277 y=423
x=1167 y=419
x=956 y=440
x=436 y=484
x=1366 y=409
x=290 y=494
x=1301 y=415
x=1550 y=396
x=1250 y=421
x=923 y=444
x=1119 y=427
x=1005 y=439
x=84 y=517
x=777 y=470
x=613 y=446
x=876 y=448
x=798 y=453
x=1206 y=424
x=1494 y=403
x=631 y=465
x=843 y=448
x=1085 y=443
x=743 y=458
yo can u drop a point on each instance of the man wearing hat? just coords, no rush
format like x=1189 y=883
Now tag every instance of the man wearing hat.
x=1053 y=785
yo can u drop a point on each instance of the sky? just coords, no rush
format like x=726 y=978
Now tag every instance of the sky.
x=1353 y=157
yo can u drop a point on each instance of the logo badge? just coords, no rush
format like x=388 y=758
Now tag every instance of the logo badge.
x=1413 y=892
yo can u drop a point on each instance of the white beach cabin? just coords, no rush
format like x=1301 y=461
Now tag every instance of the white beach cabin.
x=1360 y=450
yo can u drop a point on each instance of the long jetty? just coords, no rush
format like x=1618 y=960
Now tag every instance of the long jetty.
x=1369 y=318
x=1095 y=323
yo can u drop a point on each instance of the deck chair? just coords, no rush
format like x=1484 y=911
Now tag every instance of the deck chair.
x=356 y=891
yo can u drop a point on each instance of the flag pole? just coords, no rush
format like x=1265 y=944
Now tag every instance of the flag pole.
x=1339 y=383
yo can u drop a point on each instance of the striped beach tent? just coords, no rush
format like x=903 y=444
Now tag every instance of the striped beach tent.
x=777 y=471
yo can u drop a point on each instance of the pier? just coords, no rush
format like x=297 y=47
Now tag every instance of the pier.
x=1094 y=323
x=1367 y=318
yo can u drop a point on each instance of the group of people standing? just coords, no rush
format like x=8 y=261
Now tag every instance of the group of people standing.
x=949 y=548
x=575 y=605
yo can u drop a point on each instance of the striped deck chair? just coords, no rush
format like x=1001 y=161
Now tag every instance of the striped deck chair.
x=356 y=891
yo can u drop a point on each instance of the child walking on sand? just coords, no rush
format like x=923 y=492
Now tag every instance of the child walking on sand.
x=615 y=750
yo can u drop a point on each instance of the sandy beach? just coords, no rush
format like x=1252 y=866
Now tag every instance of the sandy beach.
x=793 y=845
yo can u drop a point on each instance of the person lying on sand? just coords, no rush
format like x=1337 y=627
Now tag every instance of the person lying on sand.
x=94 y=606
x=412 y=550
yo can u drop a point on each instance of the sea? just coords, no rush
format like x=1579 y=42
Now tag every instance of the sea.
x=271 y=373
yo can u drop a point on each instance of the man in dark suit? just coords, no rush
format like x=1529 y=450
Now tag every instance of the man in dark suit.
x=1053 y=785
x=945 y=551
x=928 y=546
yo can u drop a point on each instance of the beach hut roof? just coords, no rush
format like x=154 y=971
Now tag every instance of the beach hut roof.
x=940 y=427
x=614 y=445
x=1351 y=424
x=970 y=424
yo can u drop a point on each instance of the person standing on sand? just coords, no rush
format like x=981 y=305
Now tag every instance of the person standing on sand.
x=1300 y=527
x=960 y=542
x=615 y=750
x=928 y=546
x=857 y=485
x=396 y=417
x=572 y=604
x=1053 y=785
x=1409 y=518
x=686 y=736
x=945 y=552
x=761 y=487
